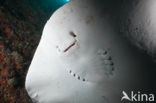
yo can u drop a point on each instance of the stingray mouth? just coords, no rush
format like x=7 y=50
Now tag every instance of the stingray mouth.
x=67 y=44
x=69 y=47
x=66 y=47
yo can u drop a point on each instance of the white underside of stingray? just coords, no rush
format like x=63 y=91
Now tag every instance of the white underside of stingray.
x=80 y=59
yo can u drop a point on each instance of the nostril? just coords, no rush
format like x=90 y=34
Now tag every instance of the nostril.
x=72 y=34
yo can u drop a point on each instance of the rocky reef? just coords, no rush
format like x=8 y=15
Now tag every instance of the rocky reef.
x=21 y=23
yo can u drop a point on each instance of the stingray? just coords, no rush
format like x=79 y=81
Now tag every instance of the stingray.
x=81 y=58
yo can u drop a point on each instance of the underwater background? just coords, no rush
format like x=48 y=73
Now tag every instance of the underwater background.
x=21 y=24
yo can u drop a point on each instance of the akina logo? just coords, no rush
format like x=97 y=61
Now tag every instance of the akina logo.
x=137 y=96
